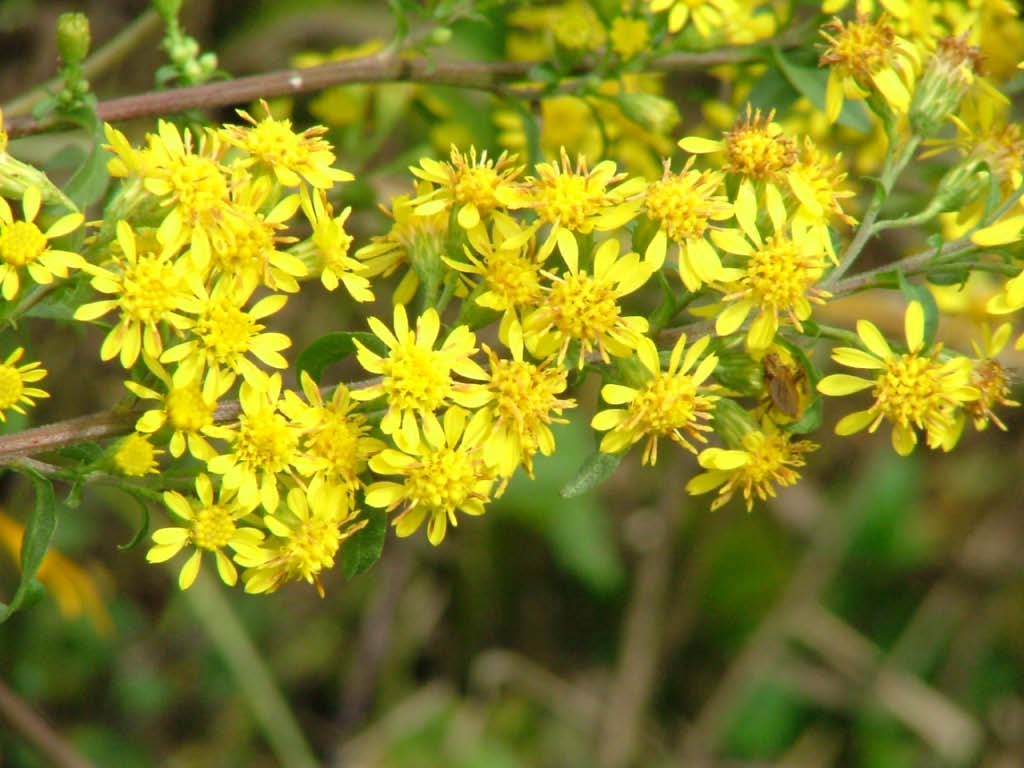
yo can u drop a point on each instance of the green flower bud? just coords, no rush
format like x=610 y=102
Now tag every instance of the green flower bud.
x=732 y=423
x=168 y=9
x=740 y=373
x=73 y=38
x=948 y=76
x=652 y=112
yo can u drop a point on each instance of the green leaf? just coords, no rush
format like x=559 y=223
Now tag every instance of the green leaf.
x=143 y=528
x=595 y=470
x=35 y=543
x=90 y=180
x=922 y=296
x=583 y=540
x=333 y=347
x=811 y=82
x=363 y=548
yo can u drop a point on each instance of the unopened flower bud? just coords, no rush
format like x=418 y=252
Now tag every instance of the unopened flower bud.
x=961 y=185
x=740 y=373
x=732 y=423
x=73 y=38
x=652 y=112
x=168 y=9
x=948 y=76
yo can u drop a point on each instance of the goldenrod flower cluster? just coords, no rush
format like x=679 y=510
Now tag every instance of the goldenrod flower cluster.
x=691 y=286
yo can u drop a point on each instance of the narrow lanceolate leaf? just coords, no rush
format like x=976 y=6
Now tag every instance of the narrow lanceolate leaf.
x=332 y=348
x=35 y=543
x=595 y=470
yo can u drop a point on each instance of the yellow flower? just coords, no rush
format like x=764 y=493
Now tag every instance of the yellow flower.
x=272 y=145
x=335 y=438
x=583 y=308
x=23 y=245
x=816 y=180
x=522 y=400
x=187 y=408
x=13 y=378
x=136 y=457
x=756 y=149
x=766 y=458
x=441 y=473
x=474 y=186
x=264 y=446
x=708 y=16
x=328 y=247
x=912 y=390
x=685 y=206
x=866 y=57
x=149 y=287
x=223 y=334
x=416 y=241
x=416 y=379
x=990 y=378
x=777 y=280
x=579 y=200
x=306 y=536
x=673 y=403
x=629 y=36
x=510 y=269
x=210 y=526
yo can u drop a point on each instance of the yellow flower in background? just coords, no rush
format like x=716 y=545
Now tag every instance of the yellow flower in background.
x=522 y=400
x=685 y=206
x=14 y=394
x=990 y=378
x=776 y=280
x=222 y=335
x=264 y=448
x=674 y=403
x=629 y=36
x=582 y=307
x=291 y=157
x=24 y=247
x=913 y=390
x=416 y=379
x=148 y=289
x=74 y=589
x=211 y=525
x=135 y=456
x=578 y=199
x=328 y=247
x=766 y=458
x=474 y=186
x=866 y=57
x=305 y=537
x=707 y=16
x=442 y=474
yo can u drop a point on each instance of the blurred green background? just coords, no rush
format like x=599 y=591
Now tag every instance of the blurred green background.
x=872 y=616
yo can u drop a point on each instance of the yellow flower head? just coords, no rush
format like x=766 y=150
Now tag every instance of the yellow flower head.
x=579 y=200
x=674 y=403
x=584 y=308
x=866 y=57
x=335 y=438
x=629 y=36
x=211 y=525
x=13 y=378
x=776 y=280
x=685 y=206
x=223 y=334
x=474 y=186
x=765 y=459
x=136 y=457
x=522 y=400
x=149 y=289
x=913 y=390
x=708 y=16
x=305 y=537
x=292 y=157
x=264 y=448
x=328 y=247
x=442 y=473
x=25 y=247
x=186 y=407
x=990 y=378
x=416 y=379
x=816 y=181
